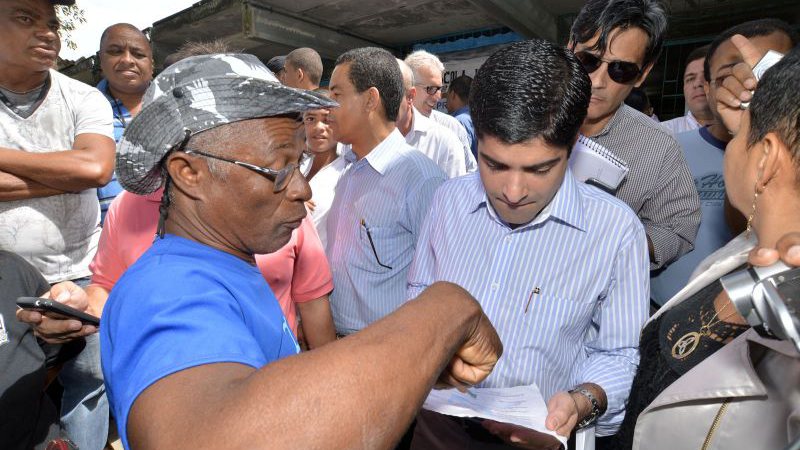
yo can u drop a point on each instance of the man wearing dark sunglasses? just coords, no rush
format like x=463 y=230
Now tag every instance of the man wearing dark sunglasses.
x=617 y=42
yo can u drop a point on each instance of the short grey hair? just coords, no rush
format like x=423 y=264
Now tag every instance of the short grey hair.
x=420 y=58
x=408 y=74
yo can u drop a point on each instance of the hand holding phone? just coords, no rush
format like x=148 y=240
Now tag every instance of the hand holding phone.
x=56 y=310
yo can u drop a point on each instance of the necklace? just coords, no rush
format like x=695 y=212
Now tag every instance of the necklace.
x=25 y=92
x=688 y=342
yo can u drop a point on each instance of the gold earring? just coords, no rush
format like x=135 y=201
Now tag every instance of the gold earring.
x=752 y=213
x=756 y=192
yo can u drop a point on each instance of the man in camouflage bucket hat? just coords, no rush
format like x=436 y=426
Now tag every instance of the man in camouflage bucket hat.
x=197 y=94
x=201 y=118
x=191 y=331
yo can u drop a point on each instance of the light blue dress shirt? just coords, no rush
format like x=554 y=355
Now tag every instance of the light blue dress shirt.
x=373 y=224
x=567 y=293
x=463 y=117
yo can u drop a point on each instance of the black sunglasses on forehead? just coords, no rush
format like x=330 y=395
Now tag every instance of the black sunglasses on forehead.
x=622 y=72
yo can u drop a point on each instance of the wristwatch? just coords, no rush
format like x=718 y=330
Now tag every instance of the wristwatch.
x=594 y=413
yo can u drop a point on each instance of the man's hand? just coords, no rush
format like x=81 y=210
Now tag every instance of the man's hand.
x=787 y=250
x=739 y=86
x=562 y=416
x=57 y=330
x=475 y=359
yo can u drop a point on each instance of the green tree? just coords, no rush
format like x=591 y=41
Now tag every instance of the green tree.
x=70 y=17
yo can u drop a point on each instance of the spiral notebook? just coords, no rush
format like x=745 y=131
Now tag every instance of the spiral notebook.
x=594 y=164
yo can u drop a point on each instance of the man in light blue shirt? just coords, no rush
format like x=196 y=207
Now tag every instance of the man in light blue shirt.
x=458 y=106
x=561 y=268
x=381 y=198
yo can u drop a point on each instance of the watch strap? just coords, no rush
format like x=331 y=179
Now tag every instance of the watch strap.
x=594 y=413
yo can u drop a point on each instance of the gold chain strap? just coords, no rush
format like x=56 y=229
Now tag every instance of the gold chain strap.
x=715 y=424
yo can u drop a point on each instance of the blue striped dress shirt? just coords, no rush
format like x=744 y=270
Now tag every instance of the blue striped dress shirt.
x=380 y=203
x=122 y=118
x=567 y=293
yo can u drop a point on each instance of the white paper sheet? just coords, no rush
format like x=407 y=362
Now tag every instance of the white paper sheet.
x=520 y=405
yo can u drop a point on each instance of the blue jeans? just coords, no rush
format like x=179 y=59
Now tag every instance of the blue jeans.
x=84 y=405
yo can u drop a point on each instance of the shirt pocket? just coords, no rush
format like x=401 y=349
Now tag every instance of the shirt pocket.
x=384 y=249
x=558 y=315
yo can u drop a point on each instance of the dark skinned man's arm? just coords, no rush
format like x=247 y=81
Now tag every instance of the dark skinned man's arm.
x=359 y=392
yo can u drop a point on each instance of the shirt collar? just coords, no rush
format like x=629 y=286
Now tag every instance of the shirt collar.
x=119 y=107
x=102 y=86
x=711 y=139
x=692 y=119
x=419 y=123
x=382 y=156
x=618 y=116
x=566 y=206
x=462 y=110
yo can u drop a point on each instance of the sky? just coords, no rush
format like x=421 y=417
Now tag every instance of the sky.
x=100 y=14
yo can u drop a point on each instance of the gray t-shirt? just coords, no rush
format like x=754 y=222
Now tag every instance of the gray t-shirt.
x=57 y=234
x=24 y=104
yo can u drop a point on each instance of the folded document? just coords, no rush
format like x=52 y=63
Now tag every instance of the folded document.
x=519 y=405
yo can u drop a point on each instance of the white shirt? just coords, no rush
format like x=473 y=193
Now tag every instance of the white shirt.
x=57 y=234
x=681 y=124
x=455 y=126
x=437 y=143
x=323 y=187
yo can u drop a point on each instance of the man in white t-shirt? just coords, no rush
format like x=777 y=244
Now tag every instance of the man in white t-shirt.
x=428 y=70
x=698 y=112
x=56 y=147
x=435 y=141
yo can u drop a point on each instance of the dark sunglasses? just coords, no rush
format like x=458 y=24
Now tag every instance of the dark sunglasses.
x=280 y=178
x=622 y=72
x=431 y=90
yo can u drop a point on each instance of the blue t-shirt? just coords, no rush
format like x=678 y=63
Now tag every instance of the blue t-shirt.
x=181 y=305
x=704 y=154
x=463 y=117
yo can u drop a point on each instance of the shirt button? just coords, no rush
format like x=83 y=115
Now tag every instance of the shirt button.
x=508 y=238
x=495 y=286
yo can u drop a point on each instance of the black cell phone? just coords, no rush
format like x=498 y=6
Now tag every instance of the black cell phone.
x=52 y=307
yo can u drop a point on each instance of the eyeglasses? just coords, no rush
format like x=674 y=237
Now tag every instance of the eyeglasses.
x=431 y=90
x=279 y=178
x=622 y=72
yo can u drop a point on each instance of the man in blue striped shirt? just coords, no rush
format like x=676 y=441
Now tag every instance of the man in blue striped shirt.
x=560 y=267
x=126 y=60
x=381 y=198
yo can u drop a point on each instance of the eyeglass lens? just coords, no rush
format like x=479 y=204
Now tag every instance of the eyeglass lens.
x=431 y=90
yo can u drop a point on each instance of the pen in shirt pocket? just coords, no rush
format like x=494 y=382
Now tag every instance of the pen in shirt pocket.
x=372 y=244
x=534 y=291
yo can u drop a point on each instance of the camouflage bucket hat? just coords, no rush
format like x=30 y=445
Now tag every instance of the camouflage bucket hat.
x=197 y=94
